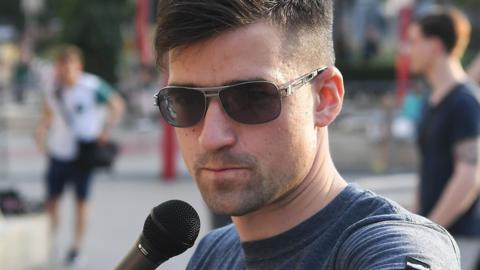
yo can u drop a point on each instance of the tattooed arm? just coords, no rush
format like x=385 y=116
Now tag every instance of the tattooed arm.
x=462 y=188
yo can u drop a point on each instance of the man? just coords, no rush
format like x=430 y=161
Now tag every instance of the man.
x=251 y=91
x=73 y=116
x=449 y=129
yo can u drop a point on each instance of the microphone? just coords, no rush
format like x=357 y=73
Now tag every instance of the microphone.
x=171 y=228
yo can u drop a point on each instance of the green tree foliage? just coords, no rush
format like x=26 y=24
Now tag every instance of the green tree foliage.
x=10 y=13
x=466 y=3
x=95 y=27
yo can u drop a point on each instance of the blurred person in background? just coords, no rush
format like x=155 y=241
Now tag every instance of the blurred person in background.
x=371 y=47
x=4 y=79
x=405 y=123
x=252 y=89
x=79 y=113
x=449 y=130
x=22 y=76
x=147 y=116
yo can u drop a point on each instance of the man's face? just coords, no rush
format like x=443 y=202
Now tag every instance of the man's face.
x=69 y=70
x=420 y=49
x=240 y=168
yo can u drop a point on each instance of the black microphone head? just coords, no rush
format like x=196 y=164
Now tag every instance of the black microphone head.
x=171 y=228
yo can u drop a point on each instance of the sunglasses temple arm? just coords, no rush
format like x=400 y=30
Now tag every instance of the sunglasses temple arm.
x=290 y=88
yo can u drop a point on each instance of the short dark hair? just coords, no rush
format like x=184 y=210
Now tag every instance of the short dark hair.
x=181 y=23
x=67 y=51
x=450 y=26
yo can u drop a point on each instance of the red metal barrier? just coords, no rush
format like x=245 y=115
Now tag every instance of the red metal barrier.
x=169 y=144
x=141 y=27
x=169 y=152
x=403 y=61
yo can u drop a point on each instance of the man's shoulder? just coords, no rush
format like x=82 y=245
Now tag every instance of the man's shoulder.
x=95 y=86
x=368 y=210
x=383 y=234
x=362 y=203
x=467 y=94
x=88 y=80
x=397 y=240
x=383 y=213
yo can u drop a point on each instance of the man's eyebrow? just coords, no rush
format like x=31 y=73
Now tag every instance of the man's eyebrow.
x=226 y=83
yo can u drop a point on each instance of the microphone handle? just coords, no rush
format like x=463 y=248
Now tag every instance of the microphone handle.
x=137 y=260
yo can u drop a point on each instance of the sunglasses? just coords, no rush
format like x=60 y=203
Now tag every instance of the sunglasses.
x=251 y=102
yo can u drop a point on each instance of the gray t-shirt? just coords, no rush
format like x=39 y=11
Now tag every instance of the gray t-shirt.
x=357 y=230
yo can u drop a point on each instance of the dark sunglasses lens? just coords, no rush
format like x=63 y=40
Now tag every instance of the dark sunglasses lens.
x=252 y=103
x=181 y=107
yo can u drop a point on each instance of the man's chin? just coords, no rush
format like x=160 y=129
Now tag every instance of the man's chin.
x=233 y=212
x=229 y=208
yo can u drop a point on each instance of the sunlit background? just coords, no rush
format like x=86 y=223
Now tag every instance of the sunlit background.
x=372 y=141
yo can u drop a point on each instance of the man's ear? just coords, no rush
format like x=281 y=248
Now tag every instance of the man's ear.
x=328 y=92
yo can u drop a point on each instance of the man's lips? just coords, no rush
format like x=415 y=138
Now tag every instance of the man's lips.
x=228 y=171
x=221 y=169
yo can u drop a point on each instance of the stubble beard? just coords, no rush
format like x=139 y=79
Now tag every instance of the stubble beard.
x=238 y=200
x=233 y=199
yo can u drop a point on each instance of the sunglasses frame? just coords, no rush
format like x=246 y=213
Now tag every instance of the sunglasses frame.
x=209 y=92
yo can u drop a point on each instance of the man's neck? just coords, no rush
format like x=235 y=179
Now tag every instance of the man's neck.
x=443 y=75
x=321 y=185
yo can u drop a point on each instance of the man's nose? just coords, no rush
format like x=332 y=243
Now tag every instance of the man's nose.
x=217 y=128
